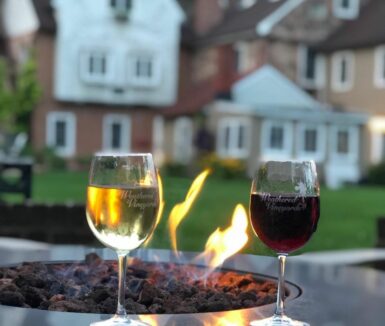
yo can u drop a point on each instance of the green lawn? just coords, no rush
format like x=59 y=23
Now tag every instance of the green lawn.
x=348 y=216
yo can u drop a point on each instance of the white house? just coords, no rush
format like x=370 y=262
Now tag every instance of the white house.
x=270 y=118
x=117 y=51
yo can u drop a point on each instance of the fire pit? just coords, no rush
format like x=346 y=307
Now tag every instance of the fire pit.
x=237 y=269
x=158 y=288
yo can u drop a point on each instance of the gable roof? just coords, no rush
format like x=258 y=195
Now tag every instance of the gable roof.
x=269 y=88
x=365 y=31
x=240 y=23
x=46 y=16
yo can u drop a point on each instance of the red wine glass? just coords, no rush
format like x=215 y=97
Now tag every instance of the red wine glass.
x=284 y=212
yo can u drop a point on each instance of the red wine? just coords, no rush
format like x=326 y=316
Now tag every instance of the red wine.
x=284 y=223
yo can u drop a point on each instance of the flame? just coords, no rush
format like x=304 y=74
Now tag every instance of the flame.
x=179 y=211
x=160 y=210
x=150 y=320
x=98 y=199
x=231 y=318
x=223 y=244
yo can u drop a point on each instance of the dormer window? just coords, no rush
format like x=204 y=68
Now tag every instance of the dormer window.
x=346 y=9
x=95 y=66
x=121 y=8
x=144 y=70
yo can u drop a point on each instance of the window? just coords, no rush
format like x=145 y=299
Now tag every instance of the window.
x=277 y=139
x=311 y=68
x=379 y=67
x=311 y=141
x=61 y=132
x=121 y=8
x=233 y=137
x=183 y=140
x=95 y=66
x=144 y=70
x=342 y=71
x=342 y=142
x=243 y=61
x=345 y=142
x=116 y=132
x=346 y=9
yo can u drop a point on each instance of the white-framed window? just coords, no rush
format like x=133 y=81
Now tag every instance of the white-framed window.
x=144 y=70
x=96 y=66
x=346 y=9
x=243 y=60
x=277 y=139
x=342 y=71
x=116 y=132
x=183 y=140
x=233 y=137
x=344 y=143
x=311 y=68
x=379 y=67
x=311 y=141
x=121 y=8
x=61 y=132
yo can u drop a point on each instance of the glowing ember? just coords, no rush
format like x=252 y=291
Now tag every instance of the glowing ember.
x=223 y=244
x=179 y=211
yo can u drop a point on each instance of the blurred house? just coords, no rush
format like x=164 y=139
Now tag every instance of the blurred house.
x=248 y=79
x=355 y=69
x=261 y=115
x=106 y=67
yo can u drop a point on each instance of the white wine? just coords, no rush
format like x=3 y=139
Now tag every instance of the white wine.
x=122 y=218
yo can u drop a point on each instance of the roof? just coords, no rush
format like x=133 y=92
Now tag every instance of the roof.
x=46 y=15
x=241 y=22
x=364 y=31
x=269 y=88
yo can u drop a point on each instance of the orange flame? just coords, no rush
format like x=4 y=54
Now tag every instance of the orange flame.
x=150 y=320
x=179 y=211
x=223 y=244
x=231 y=318
x=161 y=208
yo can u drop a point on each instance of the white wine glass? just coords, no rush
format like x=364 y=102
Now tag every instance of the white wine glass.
x=284 y=212
x=122 y=206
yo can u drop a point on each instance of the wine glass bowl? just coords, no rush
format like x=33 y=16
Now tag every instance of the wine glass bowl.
x=122 y=206
x=284 y=212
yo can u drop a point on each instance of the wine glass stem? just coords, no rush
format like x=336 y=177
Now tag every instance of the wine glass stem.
x=121 y=310
x=280 y=309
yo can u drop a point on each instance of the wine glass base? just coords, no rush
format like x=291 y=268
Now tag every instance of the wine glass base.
x=119 y=321
x=278 y=321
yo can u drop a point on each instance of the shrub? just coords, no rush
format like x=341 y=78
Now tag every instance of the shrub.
x=225 y=168
x=49 y=160
x=376 y=174
x=175 y=169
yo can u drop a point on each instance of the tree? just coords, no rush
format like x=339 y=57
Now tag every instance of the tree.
x=18 y=99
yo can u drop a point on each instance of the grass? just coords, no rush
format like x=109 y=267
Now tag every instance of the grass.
x=348 y=216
